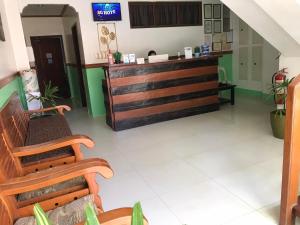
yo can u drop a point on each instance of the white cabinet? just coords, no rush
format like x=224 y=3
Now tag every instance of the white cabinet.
x=250 y=55
x=256 y=64
x=243 y=63
x=254 y=59
x=256 y=38
x=243 y=33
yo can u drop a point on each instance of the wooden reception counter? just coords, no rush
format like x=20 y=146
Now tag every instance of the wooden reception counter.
x=137 y=95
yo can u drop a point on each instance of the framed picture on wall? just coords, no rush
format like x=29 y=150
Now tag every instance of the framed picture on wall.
x=2 y=37
x=207 y=26
x=217 y=46
x=217 y=11
x=207 y=11
x=217 y=26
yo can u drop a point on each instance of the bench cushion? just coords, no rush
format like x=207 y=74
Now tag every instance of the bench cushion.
x=70 y=214
x=45 y=129
x=54 y=188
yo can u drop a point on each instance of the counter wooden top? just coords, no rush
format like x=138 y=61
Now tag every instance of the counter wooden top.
x=172 y=59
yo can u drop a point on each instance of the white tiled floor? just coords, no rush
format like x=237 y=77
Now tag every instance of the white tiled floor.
x=220 y=168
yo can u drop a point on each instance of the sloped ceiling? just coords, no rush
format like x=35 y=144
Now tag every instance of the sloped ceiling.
x=286 y=13
x=263 y=23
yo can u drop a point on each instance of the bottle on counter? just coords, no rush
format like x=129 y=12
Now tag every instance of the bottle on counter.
x=110 y=58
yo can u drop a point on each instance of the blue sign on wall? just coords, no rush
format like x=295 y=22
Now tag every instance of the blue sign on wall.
x=106 y=11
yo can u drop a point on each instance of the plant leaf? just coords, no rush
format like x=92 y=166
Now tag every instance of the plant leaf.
x=91 y=217
x=40 y=215
x=137 y=215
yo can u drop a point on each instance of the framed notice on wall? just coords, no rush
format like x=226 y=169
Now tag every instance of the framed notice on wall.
x=217 y=46
x=217 y=11
x=207 y=26
x=207 y=11
x=217 y=26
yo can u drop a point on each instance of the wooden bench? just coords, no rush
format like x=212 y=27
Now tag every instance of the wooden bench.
x=40 y=143
x=10 y=211
x=11 y=168
x=224 y=87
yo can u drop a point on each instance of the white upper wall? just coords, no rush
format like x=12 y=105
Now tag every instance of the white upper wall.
x=140 y=41
x=13 y=52
x=44 y=26
x=39 y=26
x=7 y=62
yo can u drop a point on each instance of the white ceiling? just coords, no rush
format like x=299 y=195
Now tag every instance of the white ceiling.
x=286 y=13
x=54 y=10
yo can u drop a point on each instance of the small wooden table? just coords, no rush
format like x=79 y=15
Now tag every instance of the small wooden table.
x=223 y=87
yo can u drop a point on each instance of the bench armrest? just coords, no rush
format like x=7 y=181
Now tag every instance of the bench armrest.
x=55 y=175
x=53 y=145
x=60 y=109
x=116 y=217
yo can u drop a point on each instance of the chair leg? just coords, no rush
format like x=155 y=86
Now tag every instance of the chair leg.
x=290 y=184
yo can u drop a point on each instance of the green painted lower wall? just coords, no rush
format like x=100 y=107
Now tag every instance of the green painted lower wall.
x=13 y=86
x=226 y=62
x=268 y=98
x=93 y=85
x=73 y=80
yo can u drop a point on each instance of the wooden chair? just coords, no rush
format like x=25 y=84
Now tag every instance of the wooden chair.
x=10 y=210
x=290 y=207
x=11 y=168
x=40 y=143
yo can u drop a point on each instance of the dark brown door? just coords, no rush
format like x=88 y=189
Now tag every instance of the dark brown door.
x=78 y=64
x=50 y=63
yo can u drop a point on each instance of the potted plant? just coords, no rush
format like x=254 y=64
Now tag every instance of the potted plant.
x=277 y=117
x=117 y=56
x=49 y=97
x=197 y=51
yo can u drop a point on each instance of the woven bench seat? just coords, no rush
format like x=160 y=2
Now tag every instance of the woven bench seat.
x=47 y=128
x=44 y=129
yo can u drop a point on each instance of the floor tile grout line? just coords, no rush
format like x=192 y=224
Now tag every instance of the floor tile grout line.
x=158 y=196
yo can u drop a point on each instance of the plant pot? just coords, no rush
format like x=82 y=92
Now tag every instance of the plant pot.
x=197 y=54
x=277 y=124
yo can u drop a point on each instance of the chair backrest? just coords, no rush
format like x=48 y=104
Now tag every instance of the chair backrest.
x=5 y=217
x=14 y=121
x=291 y=165
x=8 y=164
